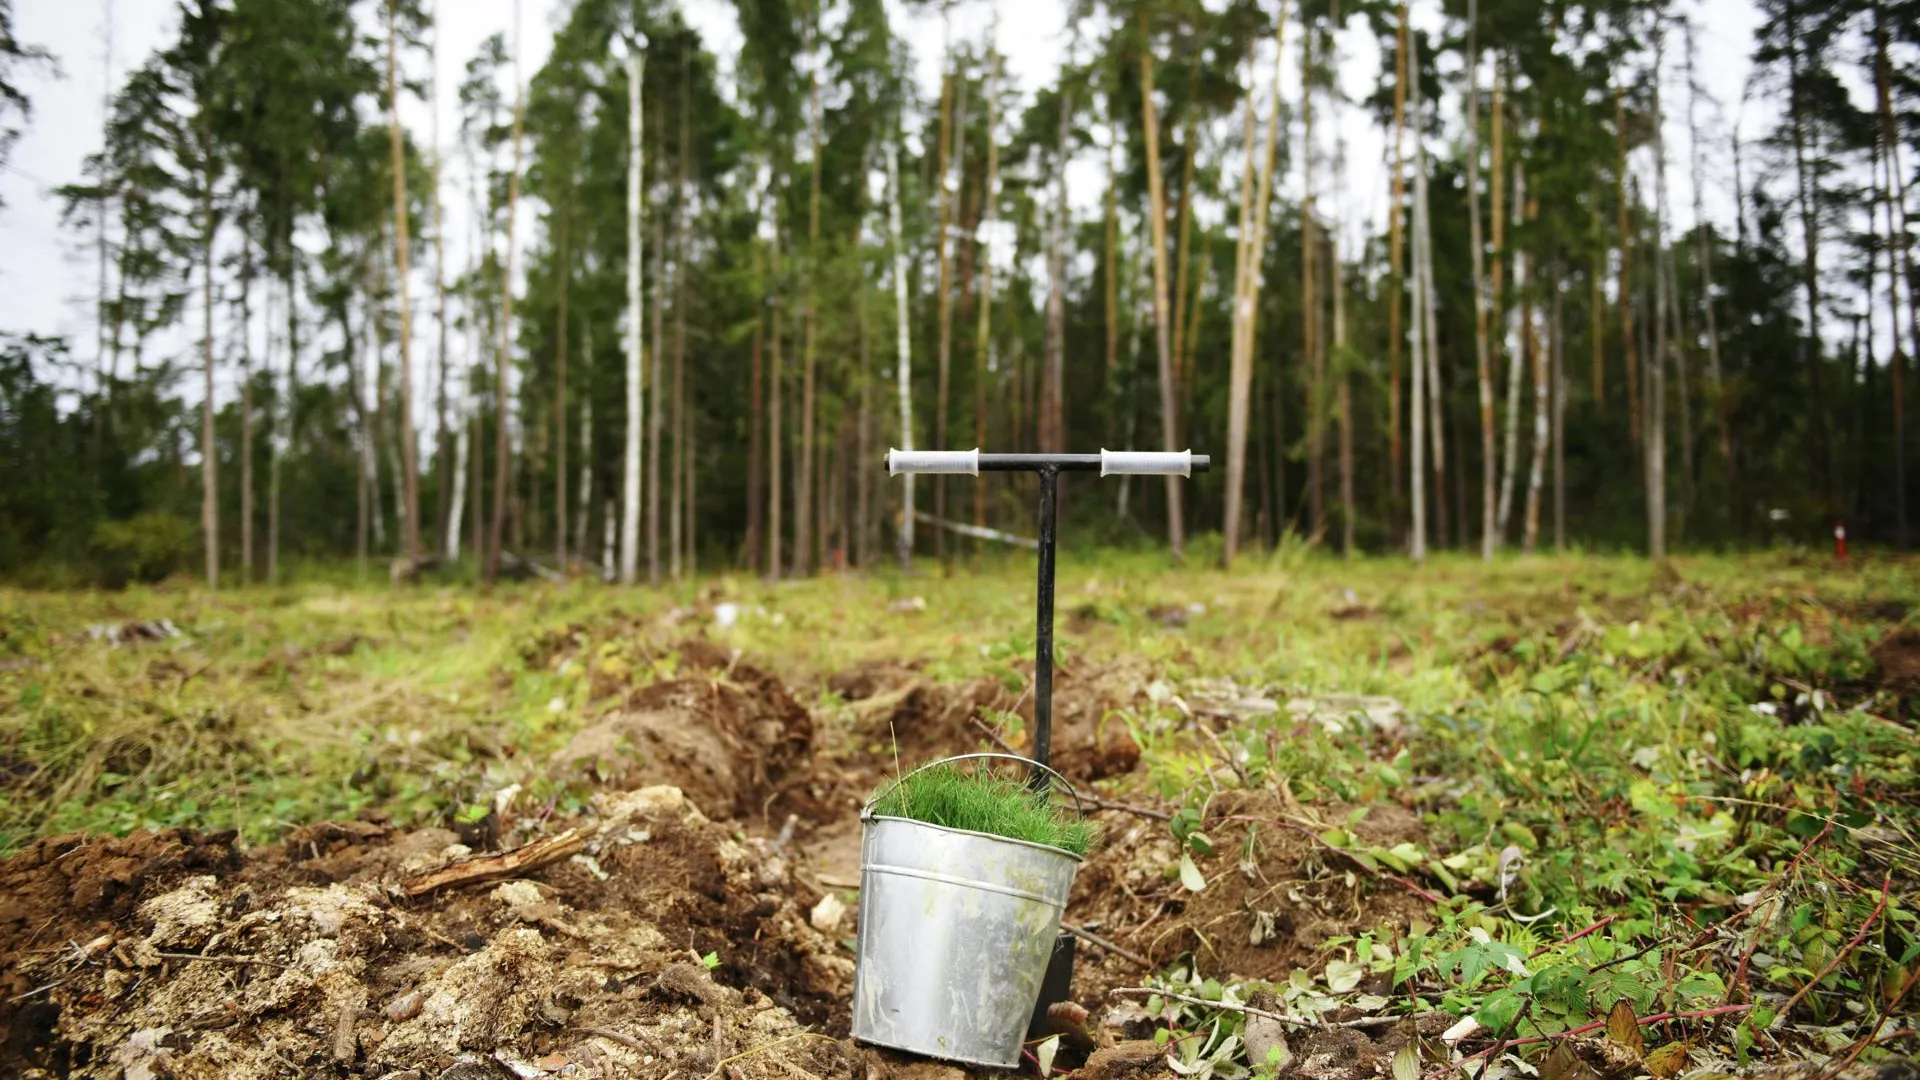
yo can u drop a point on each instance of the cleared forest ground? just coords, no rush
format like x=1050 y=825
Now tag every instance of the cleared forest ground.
x=1575 y=815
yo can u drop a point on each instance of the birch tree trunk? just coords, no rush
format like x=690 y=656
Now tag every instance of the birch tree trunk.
x=1436 y=399
x=246 y=409
x=1517 y=359
x=1536 y=476
x=1489 y=458
x=636 y=370
x=803 y=538
x=1053 y=370
x=943 y=218
x=442 y=447
x=209 y=459
x=1656 y=422
x=402 y=259
x=681 y=503
x=1396 y=243
x=565 y=271
x=1248 y=250
x=502 y=447
x=983 y=343
x=1162 y=310
x=657 y=400
x=1309 y=305
x=903 y=352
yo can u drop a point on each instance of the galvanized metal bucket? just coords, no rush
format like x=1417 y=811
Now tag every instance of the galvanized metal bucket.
x=956 y=929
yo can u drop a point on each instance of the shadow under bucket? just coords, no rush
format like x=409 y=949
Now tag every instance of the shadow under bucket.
x=956 y=932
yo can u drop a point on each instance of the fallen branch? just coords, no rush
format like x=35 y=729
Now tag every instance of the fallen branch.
x=764 y=1047
x=1095 y=939
x=1099 y=803
x=975 y=531
x=1248 y=1010
x=611 y=1035
x=483 y=868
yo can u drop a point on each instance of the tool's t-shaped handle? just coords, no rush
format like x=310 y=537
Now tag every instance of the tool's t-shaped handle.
x=1106 y=462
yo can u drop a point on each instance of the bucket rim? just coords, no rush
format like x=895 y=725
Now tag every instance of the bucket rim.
x=869 y=816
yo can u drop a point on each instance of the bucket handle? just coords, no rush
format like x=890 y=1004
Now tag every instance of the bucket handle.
x=1078 y=806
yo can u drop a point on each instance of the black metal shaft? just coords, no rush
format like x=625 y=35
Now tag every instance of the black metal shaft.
x=1043 y=628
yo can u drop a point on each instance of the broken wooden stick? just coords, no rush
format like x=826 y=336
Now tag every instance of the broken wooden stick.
x=484 y=868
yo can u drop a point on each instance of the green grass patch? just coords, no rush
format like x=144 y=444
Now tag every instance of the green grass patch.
x=984 y=803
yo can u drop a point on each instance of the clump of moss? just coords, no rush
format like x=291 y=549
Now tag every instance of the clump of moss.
x=985 y=803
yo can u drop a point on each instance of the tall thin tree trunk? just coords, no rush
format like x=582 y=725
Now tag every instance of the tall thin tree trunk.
x=565 y=273
x=682 y=500
x=775 y=411
x=1162 y=309
x=803 y=521
x=1542 y=400
x=1557 y=351
x=1111 y=274
x=1052 y=436
x=1310 y=351
x=1516 y=359
x=1417 y=403
x=657 y=400
x=903 y=350
x=756 y=413
x=457 y=503
x=442 y=446
x=1815 y=406
x=983 y=344
x=1892 y=195
x=1183 y=217
x=502 y=448
x=1596 y=310
x=1631 y=361
x=1436 y=390
x=636 y=364
x=1656 y=424
x=586 y=445
x=1396 y=244
x=1344 y=391
x=943 y=217
x=1248 y=257
x=287 y=417
x=1489 y=525
x=403 y=255
x=209 y=457
x=863 y=448
x=246 y=410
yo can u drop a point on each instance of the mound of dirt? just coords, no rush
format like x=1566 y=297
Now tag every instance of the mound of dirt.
x=730 y=736
x=1898 y=655
x=74 y=887
x=1259 y=917
x=894 y=701
x=288 y=963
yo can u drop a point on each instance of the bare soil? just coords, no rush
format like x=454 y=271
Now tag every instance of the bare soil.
x=685 y=938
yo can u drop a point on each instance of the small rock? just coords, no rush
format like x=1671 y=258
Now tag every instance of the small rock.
x=1140 y=1058
x=827 y=914
x=406 y=1006
x=518 y=893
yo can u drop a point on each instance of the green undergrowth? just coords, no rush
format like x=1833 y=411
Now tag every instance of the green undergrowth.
x=1692 y=788
x=984 y=802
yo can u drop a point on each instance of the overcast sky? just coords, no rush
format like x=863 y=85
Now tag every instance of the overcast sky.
x=46 y=281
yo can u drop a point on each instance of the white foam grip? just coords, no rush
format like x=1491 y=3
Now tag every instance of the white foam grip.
x=958 y=462
x=1146 y=463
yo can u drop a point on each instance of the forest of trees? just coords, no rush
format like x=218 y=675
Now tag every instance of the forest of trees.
x=736 y=297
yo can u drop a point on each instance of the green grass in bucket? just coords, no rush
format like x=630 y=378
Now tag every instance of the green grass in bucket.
x=982 y=802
